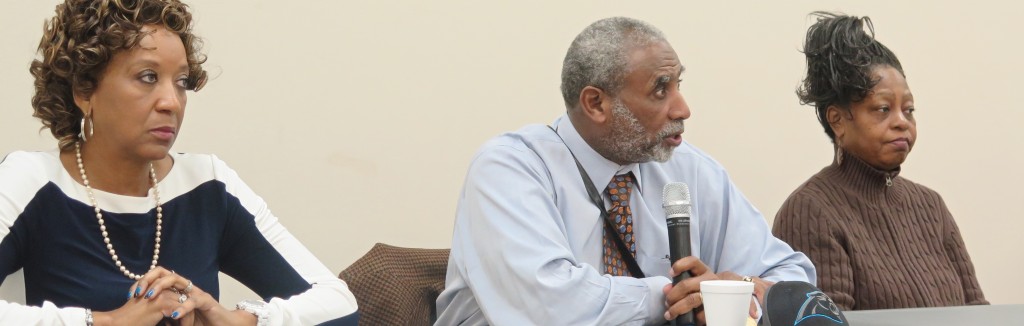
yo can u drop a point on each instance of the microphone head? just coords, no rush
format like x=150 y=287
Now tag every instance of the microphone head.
x=676 y=200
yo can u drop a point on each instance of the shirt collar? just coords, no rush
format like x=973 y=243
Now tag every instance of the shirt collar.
x=600 y=169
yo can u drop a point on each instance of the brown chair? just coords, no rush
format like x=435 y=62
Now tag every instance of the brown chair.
x=397 y=286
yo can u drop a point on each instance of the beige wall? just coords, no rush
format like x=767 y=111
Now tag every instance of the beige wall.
x=356 y=120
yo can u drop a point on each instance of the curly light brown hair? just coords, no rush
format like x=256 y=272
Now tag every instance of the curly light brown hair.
x=81 y=39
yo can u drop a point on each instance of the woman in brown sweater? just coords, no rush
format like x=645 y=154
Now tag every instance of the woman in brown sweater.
x=878 y=240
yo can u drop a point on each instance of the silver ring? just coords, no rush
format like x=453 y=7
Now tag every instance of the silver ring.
x=182 y=298
x=188 y=288
x=748 y=279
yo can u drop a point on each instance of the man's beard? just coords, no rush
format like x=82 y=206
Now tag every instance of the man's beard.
x=628 y=141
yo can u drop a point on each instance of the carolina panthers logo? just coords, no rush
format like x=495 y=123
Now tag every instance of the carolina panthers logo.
x=818 y=305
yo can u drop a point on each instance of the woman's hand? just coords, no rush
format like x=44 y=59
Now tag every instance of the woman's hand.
x=151 y=300
x=197 y=308
x=210 y=312
x=161 y=282
x=140 y=311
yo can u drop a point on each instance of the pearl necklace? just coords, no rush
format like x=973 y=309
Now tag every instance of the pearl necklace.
x=103 y=228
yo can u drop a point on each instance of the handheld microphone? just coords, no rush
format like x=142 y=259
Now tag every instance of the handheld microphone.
x=676 y=201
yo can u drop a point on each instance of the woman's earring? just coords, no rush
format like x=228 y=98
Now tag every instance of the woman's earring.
x=839 y=153
x=92 y=128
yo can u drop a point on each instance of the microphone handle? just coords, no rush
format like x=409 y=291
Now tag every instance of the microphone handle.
x=679 y=247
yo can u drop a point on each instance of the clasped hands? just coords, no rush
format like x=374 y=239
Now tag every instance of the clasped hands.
x=162 y=297
x=685 y=296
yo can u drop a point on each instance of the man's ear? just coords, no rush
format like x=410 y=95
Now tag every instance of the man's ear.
x=596 y=104
x=834 y=116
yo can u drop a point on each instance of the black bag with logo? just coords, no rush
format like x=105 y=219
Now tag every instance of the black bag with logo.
x=795 y=303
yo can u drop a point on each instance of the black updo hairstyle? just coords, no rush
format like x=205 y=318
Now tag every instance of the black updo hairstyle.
x=840 y=55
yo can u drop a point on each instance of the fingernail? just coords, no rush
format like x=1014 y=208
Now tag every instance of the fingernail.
x=149 y=293
x=667 y=316
x=129 y=294
x=174 y=315
x=138 y=290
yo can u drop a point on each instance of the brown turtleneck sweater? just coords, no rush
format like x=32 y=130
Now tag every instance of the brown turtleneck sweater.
x=878 y=246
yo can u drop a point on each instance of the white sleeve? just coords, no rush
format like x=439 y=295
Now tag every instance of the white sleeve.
x=20 y=177
x=328 y=298
x=16 y=314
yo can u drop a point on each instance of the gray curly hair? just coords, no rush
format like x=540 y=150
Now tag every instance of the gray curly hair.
x=599 y=55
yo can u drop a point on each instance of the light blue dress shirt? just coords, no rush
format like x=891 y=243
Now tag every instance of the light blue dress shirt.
x=527 y=245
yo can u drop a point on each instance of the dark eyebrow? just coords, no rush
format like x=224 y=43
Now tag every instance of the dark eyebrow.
x=665 y=79
x=662 y=80
x=146 y=62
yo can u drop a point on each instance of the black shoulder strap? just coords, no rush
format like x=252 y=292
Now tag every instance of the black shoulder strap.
x=595 y=197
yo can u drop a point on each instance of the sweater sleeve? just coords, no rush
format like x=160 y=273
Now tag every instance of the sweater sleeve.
x=805 y=225
x=956 y=252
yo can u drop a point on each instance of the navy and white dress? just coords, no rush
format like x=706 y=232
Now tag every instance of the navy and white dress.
x=212 y=222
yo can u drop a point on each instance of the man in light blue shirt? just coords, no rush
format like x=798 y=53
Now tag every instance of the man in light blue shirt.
x=531 y=248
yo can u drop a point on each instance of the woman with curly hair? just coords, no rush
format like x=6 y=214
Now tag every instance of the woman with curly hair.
x=878 y=240
x=112 y=228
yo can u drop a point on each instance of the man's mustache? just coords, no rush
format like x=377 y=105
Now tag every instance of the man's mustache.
x=674 y=128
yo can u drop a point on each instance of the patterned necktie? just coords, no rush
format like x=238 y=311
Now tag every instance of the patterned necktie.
x=621 y=216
